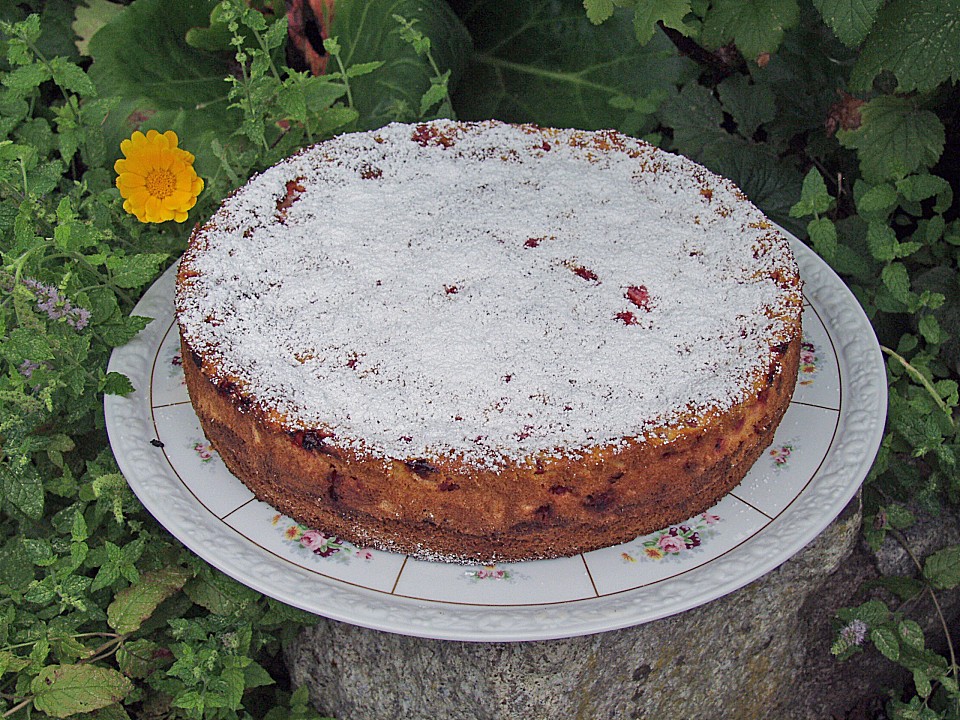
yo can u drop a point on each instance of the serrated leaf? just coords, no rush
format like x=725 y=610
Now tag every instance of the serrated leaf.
x=930 y=328
x=895 y=138
x=134 y=604
x=823 y=235
x=562 y=71
x=886 y=642
x=63 y=690
x=879 y=199
x=90 y=16
x=916 y=40
x=22 y=487
x=814 y=196
x=72 y=78
x=115 y=383
x=27 y=77
x=899 y=517
x=141 y=658
x=133 y=271
x=920 y=187
x=219 y=594
x=897 y=280
x=911 y=634
x=368 y=32
x=647 y=13
x=598 y=10
x=755 y=26
x=882 y=241
x=750 y=105
x=942 y=569
x=850 y=20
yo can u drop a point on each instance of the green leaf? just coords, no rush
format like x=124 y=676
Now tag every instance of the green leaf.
x=823 y=235
x=219 y=594
x=72 y=78
x=562 y=71
x=166 y=69
x=882 y=241
x=23 y=344
x=814 y=196
x=134 y=604
x=916 y=40
x=911 y=634
x=115 y=383
x=886 y=642
x=22 y=487
x=942 y=569
x=878 y=200
x=598 y=10
x=368 y=32
x=895 y=138
x=647 y=13
x=897 y=280
x=90 y=16
x=750 y=105
x=755 y=26
x=133 y=271
x=62 y=690
x=141 y=658
x=850 y=20
x=920 y=187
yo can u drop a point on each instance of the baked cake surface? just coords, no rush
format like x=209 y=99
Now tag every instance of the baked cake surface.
x=481 y=341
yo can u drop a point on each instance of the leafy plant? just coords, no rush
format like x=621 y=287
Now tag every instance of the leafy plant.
x=837 y=117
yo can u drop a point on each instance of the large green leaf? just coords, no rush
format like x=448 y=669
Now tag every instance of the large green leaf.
x=554 y=67
x=755 y=26
x=895 y=138
x=142 y=52
x=850 y=20
x=917 y=40
x=63 y=690
x=136 y=603
x=368 y=32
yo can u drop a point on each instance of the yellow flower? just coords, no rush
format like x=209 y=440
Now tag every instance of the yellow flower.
x=156 y=178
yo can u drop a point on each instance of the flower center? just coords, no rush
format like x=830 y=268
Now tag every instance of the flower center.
x=161 y=183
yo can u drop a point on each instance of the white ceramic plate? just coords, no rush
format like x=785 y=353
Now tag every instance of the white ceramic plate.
x=820 y=455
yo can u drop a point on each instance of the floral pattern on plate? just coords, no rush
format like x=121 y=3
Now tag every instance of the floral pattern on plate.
x=204 y=450
x=318 y=543
x=175 y=367
x=779 y=454
x=810 y=361
x=490 y=572
x=677 y=541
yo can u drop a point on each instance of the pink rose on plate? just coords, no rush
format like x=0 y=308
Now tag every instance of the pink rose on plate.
x=710 y=519
x=312 y=539
x=672 y=543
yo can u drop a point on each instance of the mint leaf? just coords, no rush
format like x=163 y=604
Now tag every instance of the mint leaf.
x=671 y=13
x=133 y=271
x=22 y=487
x=886 y=642
x=134 y=604
x=880 y=199
x=598 y=10
x=62 y=690
x=882 y=241
x=850 y=20
x=814 y=196
x=823 y=235
x=367 y=33
x=942 y=569
x=755 y=26
x=562 y=71
x=897 y=280
x=916 y=40
x=895 y=138
x=697 y=116
x=114 y=383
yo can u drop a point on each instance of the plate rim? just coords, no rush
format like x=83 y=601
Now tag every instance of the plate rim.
x=859 y=433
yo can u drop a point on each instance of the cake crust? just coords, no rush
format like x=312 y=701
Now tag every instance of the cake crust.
x=525 y=493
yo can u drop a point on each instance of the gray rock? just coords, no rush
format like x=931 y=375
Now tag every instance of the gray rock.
x=760 y=652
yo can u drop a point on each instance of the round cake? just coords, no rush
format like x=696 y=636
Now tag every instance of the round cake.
x=488 y=342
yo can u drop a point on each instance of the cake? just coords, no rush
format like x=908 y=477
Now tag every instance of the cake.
x=485 y=342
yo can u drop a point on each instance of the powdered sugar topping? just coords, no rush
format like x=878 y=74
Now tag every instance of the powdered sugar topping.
x=487 y=291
